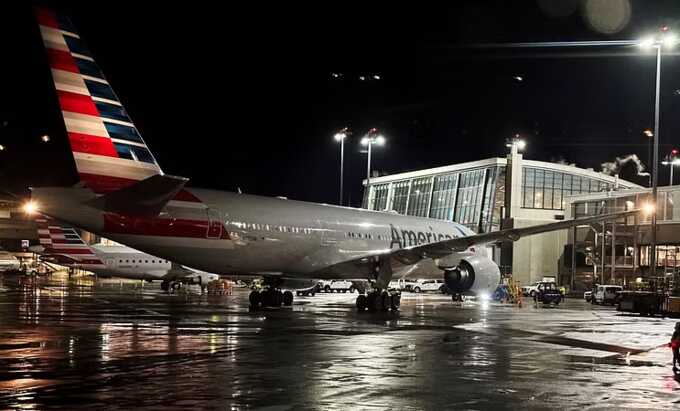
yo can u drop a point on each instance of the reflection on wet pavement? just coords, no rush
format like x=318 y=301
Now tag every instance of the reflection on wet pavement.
x=81 y=343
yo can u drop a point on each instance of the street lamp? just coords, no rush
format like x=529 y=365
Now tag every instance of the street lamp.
x=671 y=160
x=341 y=136
x=649 y=134
x=30 y=207
x=516 y=144
x=665 y=39
x=371 y=138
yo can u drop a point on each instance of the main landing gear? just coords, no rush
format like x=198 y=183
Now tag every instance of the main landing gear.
x=170 y=285
x=377 y=300
x=270 y=297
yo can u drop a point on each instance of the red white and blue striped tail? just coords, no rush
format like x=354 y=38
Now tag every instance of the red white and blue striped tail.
x=62 y=242
x=109 y=152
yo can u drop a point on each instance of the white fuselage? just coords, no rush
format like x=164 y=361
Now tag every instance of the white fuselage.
x=125 y=262
x=260 y=235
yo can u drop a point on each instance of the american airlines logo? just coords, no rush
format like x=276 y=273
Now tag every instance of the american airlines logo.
x=410 y=238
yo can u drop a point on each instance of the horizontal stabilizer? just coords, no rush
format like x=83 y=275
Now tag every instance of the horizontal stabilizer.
x=145 y=198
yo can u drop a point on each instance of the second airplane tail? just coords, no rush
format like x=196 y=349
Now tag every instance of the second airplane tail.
x=63 y=243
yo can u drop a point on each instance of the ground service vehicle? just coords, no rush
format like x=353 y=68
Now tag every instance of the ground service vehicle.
x=607 y=294
x=547 y=293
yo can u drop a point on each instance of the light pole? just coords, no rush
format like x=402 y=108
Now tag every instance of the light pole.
x=341 y=136
x=516 y=144
x=649 y=134
x=671 y=160
x=665 y=39
x=372 y=137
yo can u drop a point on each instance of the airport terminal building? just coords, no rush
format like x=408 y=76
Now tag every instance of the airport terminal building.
x=496 y=193
x=619 y=251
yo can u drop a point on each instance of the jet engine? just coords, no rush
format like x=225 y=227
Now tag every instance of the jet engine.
x=473 y=274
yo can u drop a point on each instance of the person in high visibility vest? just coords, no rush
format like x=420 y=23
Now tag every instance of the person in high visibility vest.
x=675 y=346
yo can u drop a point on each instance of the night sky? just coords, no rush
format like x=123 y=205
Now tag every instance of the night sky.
x=243 y=96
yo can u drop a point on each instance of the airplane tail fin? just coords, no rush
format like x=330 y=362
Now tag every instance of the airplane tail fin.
x=63 y=243
x=109 y=152
x=144 y=198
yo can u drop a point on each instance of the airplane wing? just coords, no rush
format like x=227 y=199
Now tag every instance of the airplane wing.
x=411 y=255
x=446 y=247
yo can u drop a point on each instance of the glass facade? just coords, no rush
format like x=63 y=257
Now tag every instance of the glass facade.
x=400 y=196
x=668 y=203
x=419 y=200
x=546 y=189
x=471 y=197
x=629 y=253
x=378 y=200
x=475 y=197
x=444 y=196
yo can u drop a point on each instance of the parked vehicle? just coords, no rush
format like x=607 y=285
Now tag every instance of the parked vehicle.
x=8 y=262
x=547 y=293
x=336 y=286
x=429 y=285
x=310 y=291
x=588 y=296
x=607 y=294
x=530 y=290
x=403 y=284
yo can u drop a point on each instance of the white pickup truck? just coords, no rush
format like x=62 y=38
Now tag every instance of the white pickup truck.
x=336 y=286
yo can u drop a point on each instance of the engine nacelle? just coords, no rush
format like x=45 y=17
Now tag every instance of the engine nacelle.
x=473 y=274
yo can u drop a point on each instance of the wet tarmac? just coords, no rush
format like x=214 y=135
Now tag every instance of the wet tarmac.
x=82 y=343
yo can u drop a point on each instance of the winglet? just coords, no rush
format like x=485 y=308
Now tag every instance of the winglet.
x=144 y=198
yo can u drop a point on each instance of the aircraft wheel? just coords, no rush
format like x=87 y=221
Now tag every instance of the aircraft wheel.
x=385 y=301
x=287 y=298
x=416 y=290
x=269 y=298
x=370 y=301
x=362 y=302
x=395 y=302
x=255 y=299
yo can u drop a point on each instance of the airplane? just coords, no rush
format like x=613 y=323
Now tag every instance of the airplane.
x=123 y=194
x=62 y=244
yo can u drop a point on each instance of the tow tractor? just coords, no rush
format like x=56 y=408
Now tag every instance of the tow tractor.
x=547 y=293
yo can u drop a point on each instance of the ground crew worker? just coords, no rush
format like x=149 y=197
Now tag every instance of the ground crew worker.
x=675 y=346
